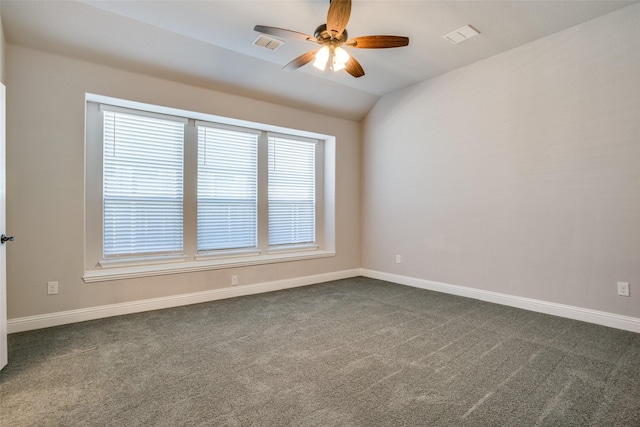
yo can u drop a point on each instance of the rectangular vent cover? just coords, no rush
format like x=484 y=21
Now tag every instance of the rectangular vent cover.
x=267 y=42
x=461 y=34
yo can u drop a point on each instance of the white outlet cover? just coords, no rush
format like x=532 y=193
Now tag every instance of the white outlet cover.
x=623 y=289
x=52 y=288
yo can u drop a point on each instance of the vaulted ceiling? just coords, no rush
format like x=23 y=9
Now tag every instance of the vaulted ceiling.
x=209 y=43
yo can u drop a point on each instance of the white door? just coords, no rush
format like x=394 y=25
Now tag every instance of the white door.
x=3 y=224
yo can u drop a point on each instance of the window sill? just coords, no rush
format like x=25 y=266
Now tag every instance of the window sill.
x=132 y=272
x=131 y=262
x=226 y=255
x=292 y=248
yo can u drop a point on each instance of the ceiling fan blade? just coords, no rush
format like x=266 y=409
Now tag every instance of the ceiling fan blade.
x=281 y=32
x=378 y=42
x=354 y=68
x=338 y=16
x=301 y=60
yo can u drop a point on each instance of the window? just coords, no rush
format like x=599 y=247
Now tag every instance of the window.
x=170 y=191
x=292 y=198
x=227 y=189
x=142 y=185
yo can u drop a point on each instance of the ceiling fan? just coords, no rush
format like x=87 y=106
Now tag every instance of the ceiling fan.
x=331 y=37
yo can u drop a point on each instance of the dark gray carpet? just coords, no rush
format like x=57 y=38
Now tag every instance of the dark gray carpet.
x=355 y=352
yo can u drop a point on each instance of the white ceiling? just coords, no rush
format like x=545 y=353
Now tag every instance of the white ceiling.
x=209 y=43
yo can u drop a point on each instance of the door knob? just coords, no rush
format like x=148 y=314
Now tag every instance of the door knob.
x=4 y=239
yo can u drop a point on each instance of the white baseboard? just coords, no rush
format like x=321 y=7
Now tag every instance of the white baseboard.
x=562 y=310
x=72 y=316
x=91 y=313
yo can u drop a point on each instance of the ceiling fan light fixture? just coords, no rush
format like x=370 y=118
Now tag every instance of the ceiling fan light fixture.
x=341 y=56
x=336 y=66
x=336 y=57
x=322 y=57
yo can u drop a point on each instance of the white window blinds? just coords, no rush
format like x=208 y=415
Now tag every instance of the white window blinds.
x=292 y=206
x=142 y=185
x=227 y=189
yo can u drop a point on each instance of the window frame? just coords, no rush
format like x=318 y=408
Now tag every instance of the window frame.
x=97 y=269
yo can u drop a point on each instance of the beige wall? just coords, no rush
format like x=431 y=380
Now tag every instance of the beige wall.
x=518 y=174
x=45 y=149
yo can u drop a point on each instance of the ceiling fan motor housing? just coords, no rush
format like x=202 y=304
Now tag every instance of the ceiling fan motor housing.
x=325 y=36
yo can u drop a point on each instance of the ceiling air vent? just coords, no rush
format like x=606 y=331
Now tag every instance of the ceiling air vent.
x=267 y=42
x=461 y=34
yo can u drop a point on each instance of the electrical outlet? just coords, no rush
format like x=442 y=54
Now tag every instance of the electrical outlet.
x=52 y=288
x=234 y=280
x=398 y=259
x=623 y=289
